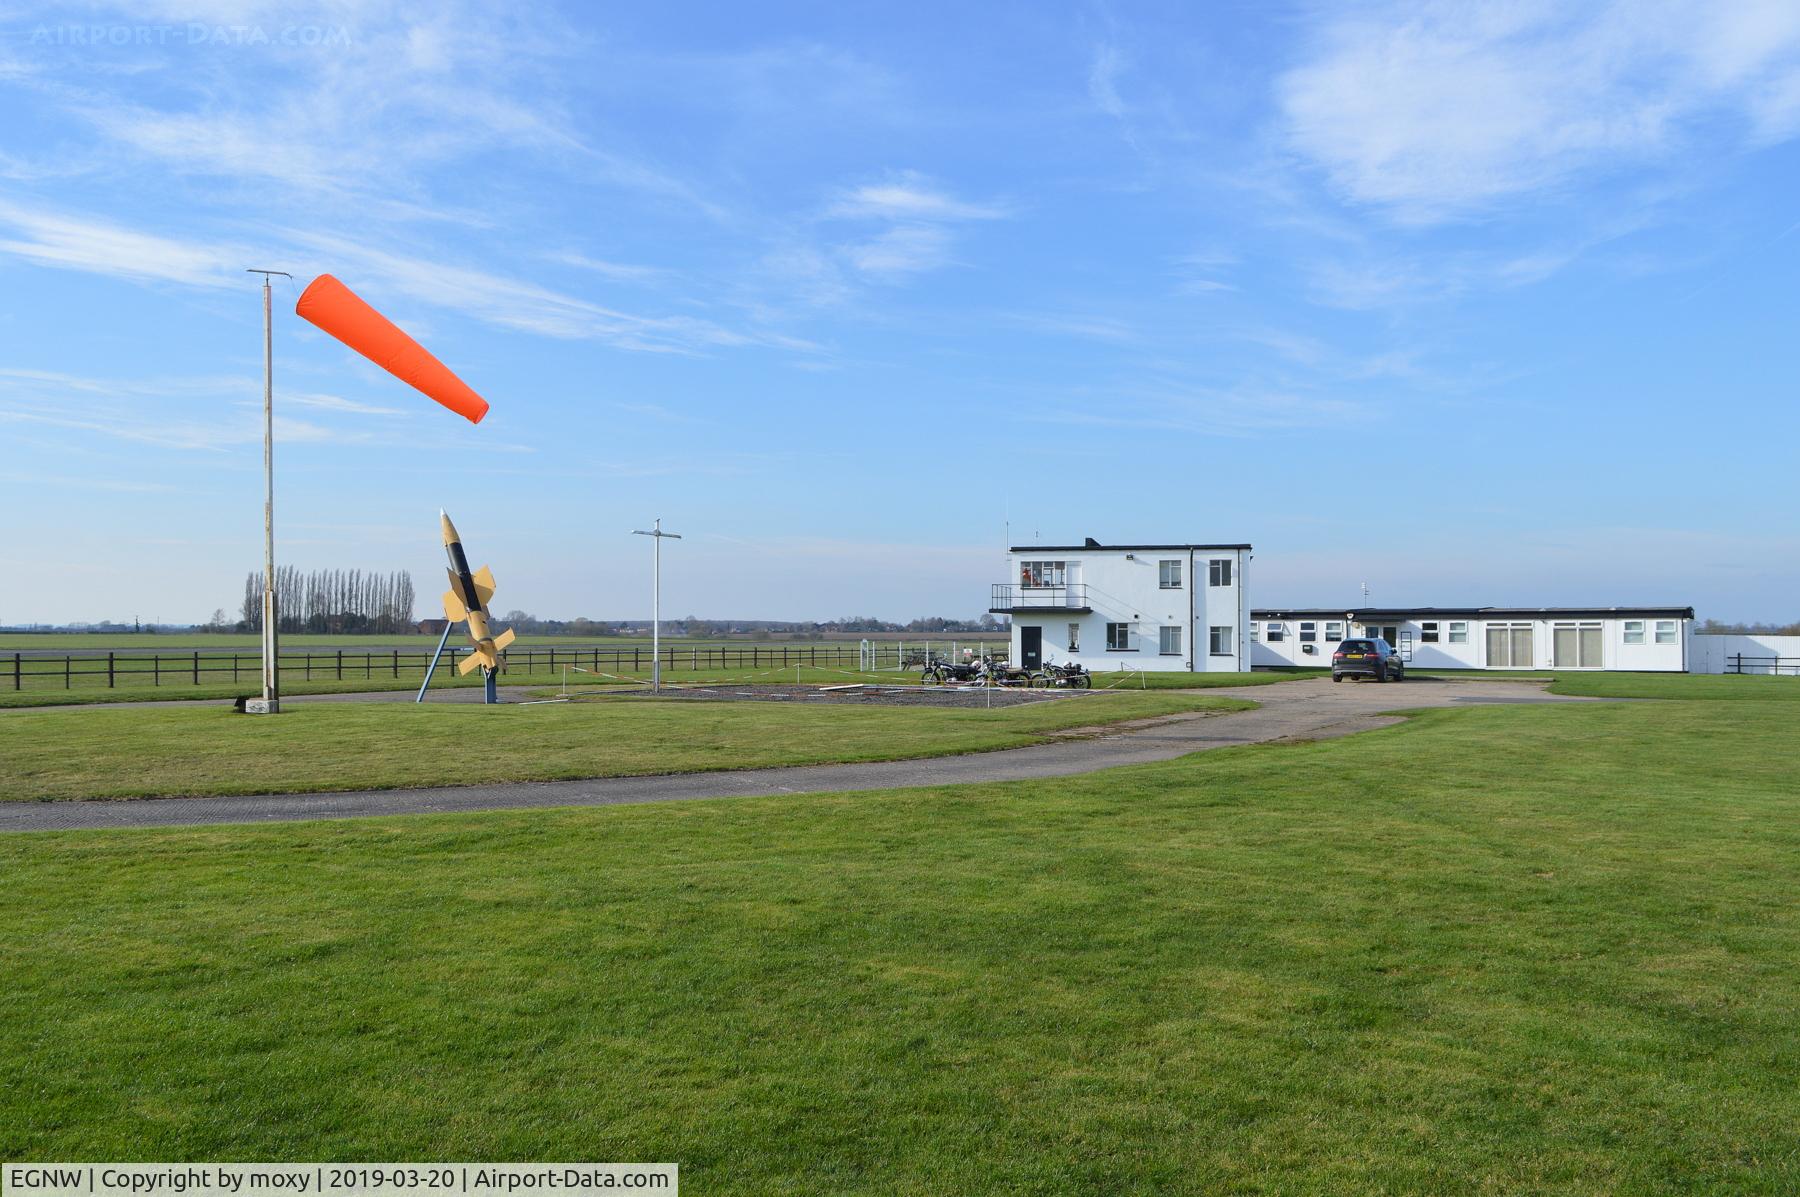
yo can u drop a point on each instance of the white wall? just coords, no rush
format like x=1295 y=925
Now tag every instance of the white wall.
x=1616 y=654
x=1712 y=654
x=1125 y=587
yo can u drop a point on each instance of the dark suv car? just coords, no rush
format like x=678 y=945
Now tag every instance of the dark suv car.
x=1367 y=658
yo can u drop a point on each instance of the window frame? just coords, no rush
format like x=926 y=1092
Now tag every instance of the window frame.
x=1043 y=575
x=1456 y=631
x=1122 y=643
x=1163 y=637
x=1218 y=572
x=1213 y=640
x=1674 y=631
x=1309 y=631
x=1164 y=568
x=1075 y=637
x=1276 y=632
x=1334 y=632
x=1428 y=631
x=1635 y=627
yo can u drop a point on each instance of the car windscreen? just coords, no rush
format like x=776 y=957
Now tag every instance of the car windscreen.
x=1357 y=646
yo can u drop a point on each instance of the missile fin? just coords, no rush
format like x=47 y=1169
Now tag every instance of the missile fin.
x=454 y=610
x=468 y=664
x=484 y=584
x=503 y=639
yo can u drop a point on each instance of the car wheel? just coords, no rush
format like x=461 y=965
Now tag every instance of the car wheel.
x=1337 y=677
x=1381 y=673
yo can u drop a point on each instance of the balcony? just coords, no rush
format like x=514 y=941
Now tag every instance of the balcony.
x=1006 y=599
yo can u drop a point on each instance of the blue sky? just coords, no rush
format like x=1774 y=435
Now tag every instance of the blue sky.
x=1471 y=303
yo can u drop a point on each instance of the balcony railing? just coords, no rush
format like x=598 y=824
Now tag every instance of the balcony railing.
x=1008 y=599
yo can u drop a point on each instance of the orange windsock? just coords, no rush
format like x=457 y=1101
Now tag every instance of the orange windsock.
x=342 y=313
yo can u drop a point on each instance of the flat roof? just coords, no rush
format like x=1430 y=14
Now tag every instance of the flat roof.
x=1119 y=548
x=1376 y=614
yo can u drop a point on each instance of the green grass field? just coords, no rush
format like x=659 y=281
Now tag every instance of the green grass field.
x=126 y=753
x=1493 y=950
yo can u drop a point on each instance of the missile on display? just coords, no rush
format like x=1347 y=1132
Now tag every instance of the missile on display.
x=467 y=602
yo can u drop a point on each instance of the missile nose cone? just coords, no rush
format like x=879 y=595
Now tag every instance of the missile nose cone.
x=450 y=535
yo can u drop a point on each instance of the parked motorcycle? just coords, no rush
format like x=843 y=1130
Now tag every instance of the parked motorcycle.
x=1071 y=676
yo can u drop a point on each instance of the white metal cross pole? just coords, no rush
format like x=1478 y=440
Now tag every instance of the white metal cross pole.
x=656 y=602
x=271 y=647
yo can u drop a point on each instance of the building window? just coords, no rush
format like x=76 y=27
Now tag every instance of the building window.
x=1219 y=641
x=1042 y=573
x=1509 y=646
x=1118 y=637
x=1459 y=632
x=1218 y=572
x=1428 y=632
x=1665 y=632
x=1576 y=645
x=1168 y=574
x=1169 y=642
x=1634 y=631
x=1334 y=632
x=1309 y=633
x=1074 y=637
x=1253 y=629
x=1277 y=633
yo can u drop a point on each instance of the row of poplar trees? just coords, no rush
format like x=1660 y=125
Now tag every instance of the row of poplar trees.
x=333 y=600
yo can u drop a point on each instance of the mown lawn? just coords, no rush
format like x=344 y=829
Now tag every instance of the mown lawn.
x=92 y=690
x=1494 y=950
x=98 y=752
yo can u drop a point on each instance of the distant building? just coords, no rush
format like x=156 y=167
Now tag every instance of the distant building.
x=433 y=627
x=1179 y=607
x=1652 y=639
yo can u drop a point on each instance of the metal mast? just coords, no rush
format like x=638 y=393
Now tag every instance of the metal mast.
x=656 y=602
x=271 y=661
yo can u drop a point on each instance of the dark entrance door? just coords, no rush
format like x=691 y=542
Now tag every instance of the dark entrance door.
x=1031 y=648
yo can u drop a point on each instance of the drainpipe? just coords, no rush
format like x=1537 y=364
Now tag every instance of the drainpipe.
x=1193 y=583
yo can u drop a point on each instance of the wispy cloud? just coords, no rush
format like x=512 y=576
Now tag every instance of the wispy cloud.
x=99 y=247
x=1214 y=412
x=617 y=271
x=1435 y=112
x=338 y=403
x=908 y=249
x=1103 y=78
x=908 y=195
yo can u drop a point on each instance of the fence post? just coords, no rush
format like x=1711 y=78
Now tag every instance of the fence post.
x=109 y=671
x=18 y=678
x=340 y=664
x=66 y=661
x=396 y=662
x=155 y=669
x=196 y=667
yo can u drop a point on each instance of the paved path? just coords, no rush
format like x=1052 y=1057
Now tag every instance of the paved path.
x=1301 y=710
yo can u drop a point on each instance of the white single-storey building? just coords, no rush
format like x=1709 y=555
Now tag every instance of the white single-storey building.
x=1658 y=639
x=1136 y=606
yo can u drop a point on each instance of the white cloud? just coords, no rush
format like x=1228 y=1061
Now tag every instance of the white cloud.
x=1436 y=111
x=908 y=196
x=907 y=249
x=1103 y=81
x=618 y=271
x=1214 y=412
x=97 y=247
x=338 y=403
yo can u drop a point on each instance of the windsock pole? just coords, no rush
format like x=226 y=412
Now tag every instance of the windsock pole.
x=271 y=645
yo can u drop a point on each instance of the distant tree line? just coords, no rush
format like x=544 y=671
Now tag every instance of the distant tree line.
x=1713 y=627
x=331 y=600
x=524 y=623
